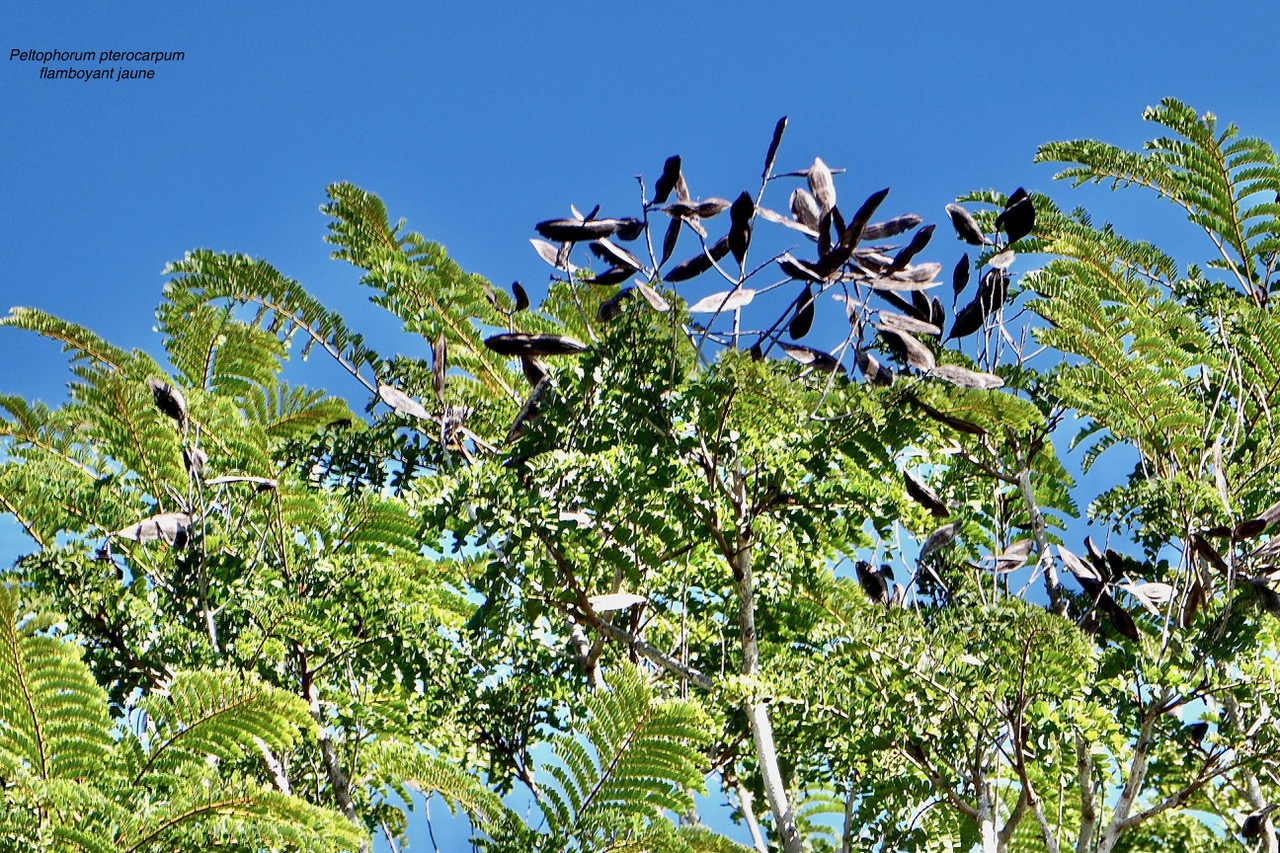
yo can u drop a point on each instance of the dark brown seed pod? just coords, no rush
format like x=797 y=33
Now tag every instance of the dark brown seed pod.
x=629 y=229
x=1256 y=822
x=824 y=235
x=821 y=185
x=194 y=461
x=925 y=496
x=611 y=308
x=918 y=241
x=837 y=223
x=814 y=358
x=669 y=240
x=530 y=411
x=802 y=322
x=937 y=314
x=772 y=153
x=1196 y=732
x=960 y=275
x=614 y=255
x=920 y=302
x=872 y=582
x=1118 y=617
x=573 y=231
x=798 y=269
x=522 y=298
x=740 y=215
x=901 y=304
x=711 y=207
x=1018 y=195
x=699 y=263
x=852 y=233
x=805 y=209
x=875 y=372
x=440 y=356
x=169 y=401
x=516 y=343
x=667 y=180
x=1018 y=219
x=908 y=349
x=608 y=278
x=891 y=227
x=966 y=226
x=533 y=370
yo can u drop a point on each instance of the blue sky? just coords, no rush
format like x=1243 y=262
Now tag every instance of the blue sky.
x=476 y=120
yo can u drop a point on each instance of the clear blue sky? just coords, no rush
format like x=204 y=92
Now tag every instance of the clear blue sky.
x=474 y=120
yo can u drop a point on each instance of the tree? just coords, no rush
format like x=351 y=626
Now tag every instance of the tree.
x=616 y=523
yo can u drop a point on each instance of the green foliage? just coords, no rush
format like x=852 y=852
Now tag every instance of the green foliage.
x=73 y=781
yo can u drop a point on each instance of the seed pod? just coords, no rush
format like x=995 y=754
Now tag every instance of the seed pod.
x=700 y=262
x=938 y=539
x=194 y=461
x=401 y=402
x=966 y=378
x=740 y=215
x=1003 y=261
x=1018 y=217
x=629 y=229
x=814 y=358
x=440 y=357
x=611 y=308
x=522 y=298
x=872 y=582
x=654 y=298
x=926 y=497
x=903 y=323
x=918 y=241
x=669 y=240
x=169 y=401
x=937 y=314
x=966 y=226
x=711 y=207
x=168 y=527
x=920 y=302
x=574 y=231
x=608 y=278
x=960 y=276
x=908 y=349
x=805 y=209
x=614 y=255
x=821 y=185
x=803 y=320
x=724 y=300
x=892 y=227
x=553 y=254
x=516 y=343
x=667 y=180
x=773 y=147
x=1256 y=822
x=873 y=370
x=533 y=370
x=852 y=233
x=798 y=269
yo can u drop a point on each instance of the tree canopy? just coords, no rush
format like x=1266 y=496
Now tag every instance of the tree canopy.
x=630 y=536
